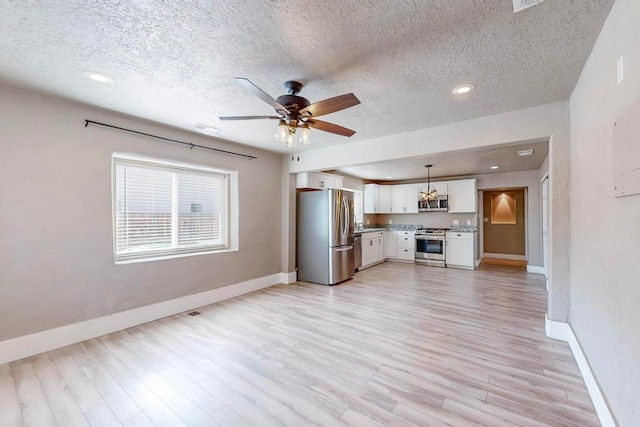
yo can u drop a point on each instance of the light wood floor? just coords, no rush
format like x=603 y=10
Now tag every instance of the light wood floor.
x=398 y=345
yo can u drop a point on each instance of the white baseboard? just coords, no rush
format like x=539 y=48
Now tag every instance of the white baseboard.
x=505 y=256
x=535 y=269
x=562 y=331
x=288 y=278
x=477 y=263
x=40 y=342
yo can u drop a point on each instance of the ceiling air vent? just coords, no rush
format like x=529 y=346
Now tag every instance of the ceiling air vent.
x=209 y=130
x=525 y=152
x=519 y=5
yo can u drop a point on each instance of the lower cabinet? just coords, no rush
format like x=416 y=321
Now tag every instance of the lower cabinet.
x=390 y=244
x=405 y=246
x=460 y=251
x=372 y=248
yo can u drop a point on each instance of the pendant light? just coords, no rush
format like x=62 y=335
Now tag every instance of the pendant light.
x=431 y=194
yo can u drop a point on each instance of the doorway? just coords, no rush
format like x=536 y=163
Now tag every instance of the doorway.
x=504 y=227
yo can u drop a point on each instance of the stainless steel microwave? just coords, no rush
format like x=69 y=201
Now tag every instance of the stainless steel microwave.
x=440 y=204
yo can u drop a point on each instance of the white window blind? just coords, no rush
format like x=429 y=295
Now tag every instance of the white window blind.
x=162 y=210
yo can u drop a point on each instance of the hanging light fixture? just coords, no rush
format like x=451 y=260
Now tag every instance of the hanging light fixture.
x=305 y=134
x=286 y=131
x=431 y=194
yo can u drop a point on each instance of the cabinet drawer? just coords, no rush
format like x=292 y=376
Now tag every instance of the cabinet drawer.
x=406 y=253
x=453 y=235
x=408 y=242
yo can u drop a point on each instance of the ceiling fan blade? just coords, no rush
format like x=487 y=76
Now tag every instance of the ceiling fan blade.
x=261 y=94
x=330 y=127
x=330 y=105
x=248 y=117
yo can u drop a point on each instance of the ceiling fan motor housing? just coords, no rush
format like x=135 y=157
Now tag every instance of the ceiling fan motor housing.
x=293 y=103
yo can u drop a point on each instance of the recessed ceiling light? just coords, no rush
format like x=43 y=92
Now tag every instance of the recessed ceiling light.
x=206 y=129
x=525 y=152
x=98 y=77
x=495 y=167
x=463 y=89
x=389 y=177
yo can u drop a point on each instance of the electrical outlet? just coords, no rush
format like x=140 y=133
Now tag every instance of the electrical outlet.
x=390 y=222
x=468 y=222
x=367 y=222
x=456 y=222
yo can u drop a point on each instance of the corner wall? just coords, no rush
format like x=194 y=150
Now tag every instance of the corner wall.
x=56 y=253
x=605 y=231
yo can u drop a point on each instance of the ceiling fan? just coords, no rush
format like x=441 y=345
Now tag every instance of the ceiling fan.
x=295 y=112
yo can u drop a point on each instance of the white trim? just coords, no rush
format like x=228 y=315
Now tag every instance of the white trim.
x=562 y=331
x=506 y=256
x=289 y=278
x=535 y=269
x=39 y=342
x=477 y=263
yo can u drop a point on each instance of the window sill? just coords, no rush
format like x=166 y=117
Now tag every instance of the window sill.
x=172 y=256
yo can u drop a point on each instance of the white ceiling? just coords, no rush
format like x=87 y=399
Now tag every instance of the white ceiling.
x=455 y=163
x=175 y=62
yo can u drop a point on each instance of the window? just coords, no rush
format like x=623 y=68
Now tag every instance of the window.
x=166 y=210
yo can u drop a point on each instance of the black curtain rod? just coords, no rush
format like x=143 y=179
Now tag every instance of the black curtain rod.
x=191 y=145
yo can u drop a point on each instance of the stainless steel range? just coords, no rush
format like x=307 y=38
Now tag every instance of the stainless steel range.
x=430 y=247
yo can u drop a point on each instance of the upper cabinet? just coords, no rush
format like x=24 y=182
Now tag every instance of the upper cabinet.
x=358 y=206
x=318 y=180
x=463 y=196
x=371 y=198
x=404 y=198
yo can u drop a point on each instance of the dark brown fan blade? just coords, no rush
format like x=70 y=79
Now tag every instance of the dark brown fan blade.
x=261 y=94
x=248 y=117
x=330 y=127
x=330 y=105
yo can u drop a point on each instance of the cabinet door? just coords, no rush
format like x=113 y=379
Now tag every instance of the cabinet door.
x=390 y=244
x=385 y=199
x=369 y=251
x=380 y=255
x=462 y=196
x=411 y=196
x=460 y=249
x=398 y=199
x=371 y=198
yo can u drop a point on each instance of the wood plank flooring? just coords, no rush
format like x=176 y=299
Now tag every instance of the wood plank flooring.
x=398 y=345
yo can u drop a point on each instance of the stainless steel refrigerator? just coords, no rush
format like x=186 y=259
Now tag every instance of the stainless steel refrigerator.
x=325 y=236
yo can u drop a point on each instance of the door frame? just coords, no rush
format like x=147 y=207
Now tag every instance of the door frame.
x=481 y=219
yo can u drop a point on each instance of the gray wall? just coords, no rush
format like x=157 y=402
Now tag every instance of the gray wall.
x=605 y=231
x=56 y=254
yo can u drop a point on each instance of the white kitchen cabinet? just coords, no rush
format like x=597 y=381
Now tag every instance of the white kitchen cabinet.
x=371 y=198
x=460 y=250
x=385 y=198
x=372 y=248
x=463 y=196
x=404 y=245
x=404 y=198
x=390 y=244
x=318 y=180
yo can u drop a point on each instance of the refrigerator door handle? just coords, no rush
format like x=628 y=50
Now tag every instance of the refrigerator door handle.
x=346 y=248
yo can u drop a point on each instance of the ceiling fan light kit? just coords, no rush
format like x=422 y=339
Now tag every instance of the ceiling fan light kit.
x=295 y=112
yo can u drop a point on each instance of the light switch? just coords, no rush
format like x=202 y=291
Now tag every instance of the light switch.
x=483 y=220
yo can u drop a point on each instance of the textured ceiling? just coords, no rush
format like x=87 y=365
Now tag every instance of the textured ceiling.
x=174 y=61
